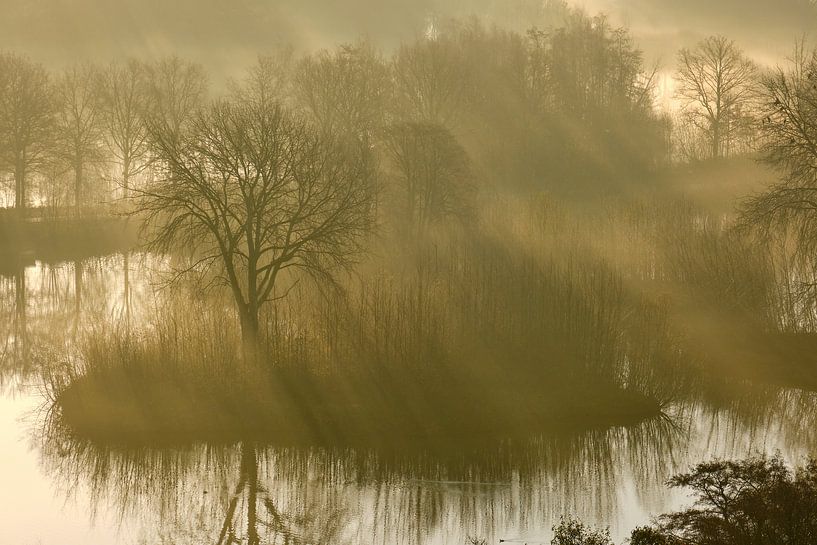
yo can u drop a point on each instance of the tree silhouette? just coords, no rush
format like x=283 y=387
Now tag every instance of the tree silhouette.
x=268 y=80
x=27 y=110
x=430 y=81
x=344 y=91
x=434 y=173
x=122 y=101
x=174 y=90
x=715 y=84
x=254 y=192
x=789 y=130
x=79 y=123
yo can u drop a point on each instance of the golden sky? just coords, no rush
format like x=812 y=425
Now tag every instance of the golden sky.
x=221 y=33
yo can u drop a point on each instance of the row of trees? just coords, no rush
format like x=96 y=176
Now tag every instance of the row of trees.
x=545 y=106
x=731 y=105
x=289 y=169
x=541 y=108
x=538 y=108
x=87 y=121
x=718 y=87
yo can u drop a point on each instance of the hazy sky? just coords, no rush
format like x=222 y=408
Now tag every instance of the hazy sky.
x=766 y=28
x=220 y=32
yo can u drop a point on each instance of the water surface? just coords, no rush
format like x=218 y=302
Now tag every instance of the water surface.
x=67 y=491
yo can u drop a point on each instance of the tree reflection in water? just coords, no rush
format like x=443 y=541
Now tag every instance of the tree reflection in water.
x=46 y=306
x=251 y=491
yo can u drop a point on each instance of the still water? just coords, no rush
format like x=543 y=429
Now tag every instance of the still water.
x=55 y=490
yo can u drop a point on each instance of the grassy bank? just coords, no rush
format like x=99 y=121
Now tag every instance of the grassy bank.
x=296 y=409
x=536 y=315
x=59 y=238
x=480 y=331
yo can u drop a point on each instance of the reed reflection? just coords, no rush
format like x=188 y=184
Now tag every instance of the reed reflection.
x=149 y=409
x=251 y=491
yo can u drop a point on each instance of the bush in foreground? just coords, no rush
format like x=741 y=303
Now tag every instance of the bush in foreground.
x=756 y=501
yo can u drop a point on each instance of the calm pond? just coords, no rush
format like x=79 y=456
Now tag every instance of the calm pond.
x=67 y=492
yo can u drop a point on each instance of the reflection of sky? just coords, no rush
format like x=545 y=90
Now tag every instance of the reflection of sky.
x=384 y=505
x=32 y=509
x=56 y=311
x=52 y=294
x=766 y=29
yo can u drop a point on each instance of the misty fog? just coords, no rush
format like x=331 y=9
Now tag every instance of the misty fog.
x=386 y=272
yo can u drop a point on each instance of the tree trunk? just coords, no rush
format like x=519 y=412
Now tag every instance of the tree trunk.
x=716 y=140
x=77 y=184
x=126 y=294
x=125 y=177
x=20 y=197
x=249 y=331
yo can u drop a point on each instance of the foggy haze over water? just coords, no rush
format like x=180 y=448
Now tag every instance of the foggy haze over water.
x=392 y=272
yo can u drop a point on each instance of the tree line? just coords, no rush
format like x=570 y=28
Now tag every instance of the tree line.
x=528 y=107
x=294 y=164
x=69 y=133
x=538 y=109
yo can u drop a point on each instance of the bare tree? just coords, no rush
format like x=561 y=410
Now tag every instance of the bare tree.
x=254 y=194
x=344 y=91
x=716 y=85
x=345 y=94
x=268 y=80
x=174 y=90
x=434 y=172
x=689 y=142
x=26 y=120
x=122 y=103
x=790 y=116
x=79 y=123
x=430 y=80
x=789 y=130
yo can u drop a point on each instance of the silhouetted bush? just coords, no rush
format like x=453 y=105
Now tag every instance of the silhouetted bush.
x=757 y=501
x=573 y=532
x=646 y=535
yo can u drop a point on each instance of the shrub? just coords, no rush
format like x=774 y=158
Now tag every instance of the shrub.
x=757 y=501
x=573 y=532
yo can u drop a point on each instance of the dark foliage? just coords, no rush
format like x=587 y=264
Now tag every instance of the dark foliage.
x=756 y=501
